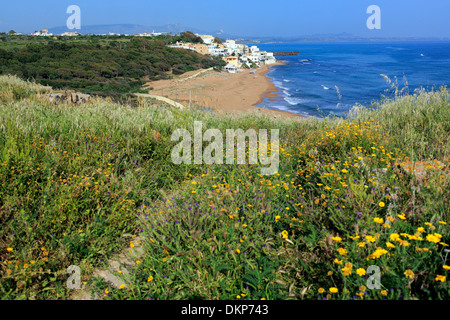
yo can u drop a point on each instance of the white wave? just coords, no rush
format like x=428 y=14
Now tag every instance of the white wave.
x=293 y=101
x=286 y=92
x=283 y=108
x=325 y=88
x=277 y=83
x=286 y=80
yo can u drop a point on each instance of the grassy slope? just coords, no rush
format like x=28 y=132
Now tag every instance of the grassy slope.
x=77 y=181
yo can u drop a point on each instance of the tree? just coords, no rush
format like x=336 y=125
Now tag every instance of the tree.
x=189 y=36
x=11 y=32
x=217 y=40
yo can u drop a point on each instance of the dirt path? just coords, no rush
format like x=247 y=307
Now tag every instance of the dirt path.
x=111 y=273
x=161 y=98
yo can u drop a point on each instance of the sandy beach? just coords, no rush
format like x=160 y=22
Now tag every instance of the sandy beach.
x=223 y=91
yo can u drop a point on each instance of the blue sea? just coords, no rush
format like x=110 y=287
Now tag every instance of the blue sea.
x=330 y=78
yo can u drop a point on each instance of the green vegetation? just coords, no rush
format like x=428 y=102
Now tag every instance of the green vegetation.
x=189 y=36
x=98 y=65
x=76 y=182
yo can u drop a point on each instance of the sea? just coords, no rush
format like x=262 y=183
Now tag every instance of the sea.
x=330 y=78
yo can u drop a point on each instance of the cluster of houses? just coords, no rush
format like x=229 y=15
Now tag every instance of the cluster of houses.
x=45 y=33
x=148 y=34
x=42 y=33
x=237 y=56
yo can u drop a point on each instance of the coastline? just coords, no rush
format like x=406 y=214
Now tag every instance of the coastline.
x=233 y=93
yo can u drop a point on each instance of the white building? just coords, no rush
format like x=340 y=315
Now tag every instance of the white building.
x=148 y=34
x=238 y=49
x=231 y=68
x=253 y=58
x=70 y=34
x=42 y=33
x=215 y=51
x=207 y=39
x=270 y=59
x=253 y=49
x=180 y=45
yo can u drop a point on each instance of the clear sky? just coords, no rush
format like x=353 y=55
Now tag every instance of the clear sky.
x=399 y=18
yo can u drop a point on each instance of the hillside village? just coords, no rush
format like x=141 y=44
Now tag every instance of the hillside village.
x=237 y=56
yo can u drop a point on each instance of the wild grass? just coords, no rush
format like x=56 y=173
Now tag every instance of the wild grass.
x=76 y=181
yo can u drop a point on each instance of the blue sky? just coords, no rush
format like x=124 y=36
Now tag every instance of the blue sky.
x=399 y=18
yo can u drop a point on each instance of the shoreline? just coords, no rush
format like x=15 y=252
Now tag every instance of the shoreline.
x=222 y=91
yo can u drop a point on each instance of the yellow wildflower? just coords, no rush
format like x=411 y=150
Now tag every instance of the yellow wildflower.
x=378 y=220
x=409 y=273
x=440 y=278
x=404 y=243
x=361 y=272
x=346 y=271
x=389 y=245
x=394 y=237
x=433 y=238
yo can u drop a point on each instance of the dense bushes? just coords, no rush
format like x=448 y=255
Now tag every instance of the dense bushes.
x=107 y=68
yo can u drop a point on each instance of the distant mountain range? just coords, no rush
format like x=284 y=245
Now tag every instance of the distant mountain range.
x=178 y=28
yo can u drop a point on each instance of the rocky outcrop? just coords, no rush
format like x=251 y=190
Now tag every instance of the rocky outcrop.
x=290 y=53
x=69 y=96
